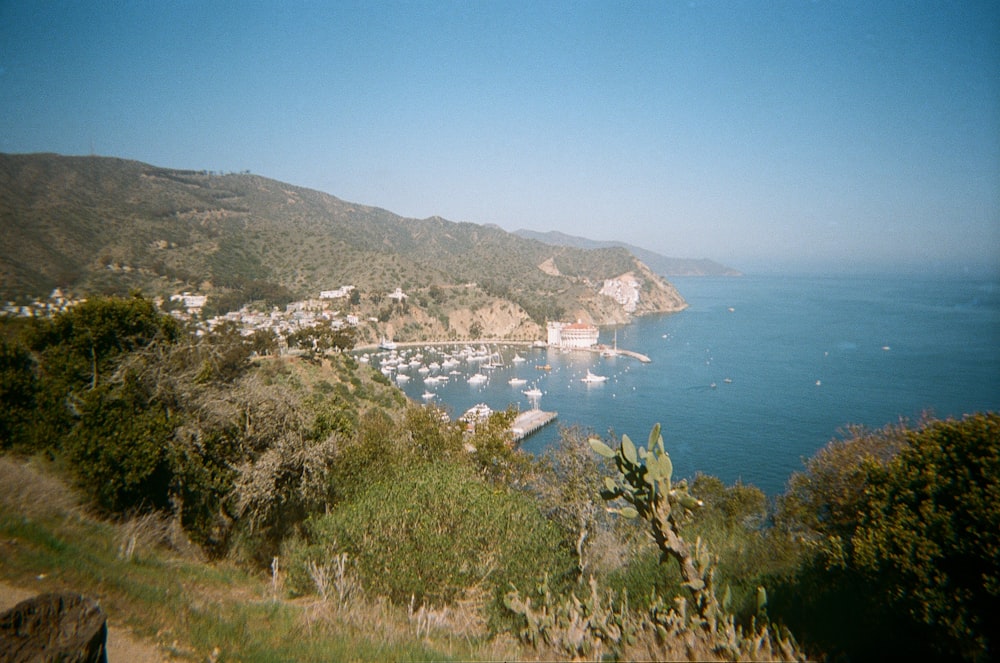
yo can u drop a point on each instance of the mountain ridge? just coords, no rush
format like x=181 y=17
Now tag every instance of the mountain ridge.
x=661 y=264
x=106 y=225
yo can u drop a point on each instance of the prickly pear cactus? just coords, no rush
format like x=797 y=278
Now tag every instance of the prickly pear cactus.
x=643 y=481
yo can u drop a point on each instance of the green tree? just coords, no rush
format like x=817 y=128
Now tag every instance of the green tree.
x=263 y=342
x=495 y=455
x=118 y=449
x=84 y=340
x=76 y=349
x=18 y=391
x=430 y=438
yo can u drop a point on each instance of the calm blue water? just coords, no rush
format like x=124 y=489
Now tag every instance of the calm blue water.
x=803 y=356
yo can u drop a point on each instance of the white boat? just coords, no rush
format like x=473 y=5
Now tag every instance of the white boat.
x=400 y=378
x=518 y=359
x=477 y=413
x=516 y=382
x=592 y=379
x=428 y=395
x=386 y=344
x=534 y=392
x=477 y=378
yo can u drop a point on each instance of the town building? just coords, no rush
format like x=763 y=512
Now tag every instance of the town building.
x=192 y=303
x=572 y=334
x=339 y=293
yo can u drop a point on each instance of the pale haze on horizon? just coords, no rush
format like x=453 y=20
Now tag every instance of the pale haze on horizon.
x=823 y=136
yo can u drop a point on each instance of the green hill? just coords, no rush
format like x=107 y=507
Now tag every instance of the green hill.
x=105 y=225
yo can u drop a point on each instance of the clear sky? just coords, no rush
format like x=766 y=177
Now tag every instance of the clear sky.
x=761 y=134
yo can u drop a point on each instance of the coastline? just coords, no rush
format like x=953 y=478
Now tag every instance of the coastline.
x=523 y=344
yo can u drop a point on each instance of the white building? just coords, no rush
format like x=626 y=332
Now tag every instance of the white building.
x=398 y=295
x=339 y=293
x=193 y=303
x=572 y=335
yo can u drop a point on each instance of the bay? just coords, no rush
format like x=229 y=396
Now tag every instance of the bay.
x=759 y=372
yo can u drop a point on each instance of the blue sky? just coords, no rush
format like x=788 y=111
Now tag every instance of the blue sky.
x=837 y=136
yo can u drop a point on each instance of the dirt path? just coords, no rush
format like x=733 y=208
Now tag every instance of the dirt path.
x=122 y=645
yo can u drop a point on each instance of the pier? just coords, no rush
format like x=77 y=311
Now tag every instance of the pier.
x=528 y=422
x=635 y=355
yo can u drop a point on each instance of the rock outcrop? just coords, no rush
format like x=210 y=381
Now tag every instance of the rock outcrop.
x=65 y=627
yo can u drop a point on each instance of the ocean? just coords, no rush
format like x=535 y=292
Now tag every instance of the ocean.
x=760 y=372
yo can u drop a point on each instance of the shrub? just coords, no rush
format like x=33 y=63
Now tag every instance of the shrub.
x=435 y=531
x=370 y=456
x=430 y=438
x=734 y=523
x=118 y=452
x=585 y=627
x=915 y=570
x=18 y=388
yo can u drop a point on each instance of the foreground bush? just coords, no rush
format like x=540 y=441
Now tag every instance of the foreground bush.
x=906 y=545
x=435 y=532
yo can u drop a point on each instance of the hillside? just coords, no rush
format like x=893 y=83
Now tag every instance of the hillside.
x=660 y=264
x=97 y=224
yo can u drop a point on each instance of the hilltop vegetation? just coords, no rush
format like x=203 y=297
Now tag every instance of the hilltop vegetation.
x=342 y=518
x=102 y=225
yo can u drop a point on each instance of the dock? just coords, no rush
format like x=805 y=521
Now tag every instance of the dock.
x=528 y=422
x=635 y=355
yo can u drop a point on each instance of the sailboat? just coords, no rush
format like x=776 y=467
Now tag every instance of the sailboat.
x=495 y=360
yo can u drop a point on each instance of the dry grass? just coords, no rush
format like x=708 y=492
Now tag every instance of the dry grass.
x=139 y=535
x=455 y=629
x=27 y=490
x=463 y=618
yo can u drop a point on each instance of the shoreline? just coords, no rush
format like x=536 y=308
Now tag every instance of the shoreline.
x=530 y=344
x=368 y=347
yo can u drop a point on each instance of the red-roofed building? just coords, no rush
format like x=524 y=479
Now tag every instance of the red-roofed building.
x=572 y=335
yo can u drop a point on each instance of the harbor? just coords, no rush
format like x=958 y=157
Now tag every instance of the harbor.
x=475 y=379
